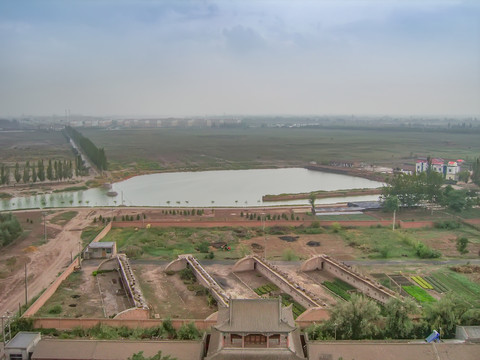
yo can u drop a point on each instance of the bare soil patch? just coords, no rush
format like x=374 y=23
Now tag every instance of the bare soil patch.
x=330 y=244
x=44 y=260
x=168 y=296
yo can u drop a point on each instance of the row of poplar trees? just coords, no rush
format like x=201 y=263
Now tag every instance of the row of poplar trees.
x=95 y=154
x=54 y=170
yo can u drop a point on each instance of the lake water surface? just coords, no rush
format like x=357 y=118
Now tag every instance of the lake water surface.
x=235 y=188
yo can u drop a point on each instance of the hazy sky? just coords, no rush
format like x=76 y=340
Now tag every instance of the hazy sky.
x=180 y=58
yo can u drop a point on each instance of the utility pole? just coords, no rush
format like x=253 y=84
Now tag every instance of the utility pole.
x=44 y=226
x=393 y=224
x=26 y=286
x=265 y=237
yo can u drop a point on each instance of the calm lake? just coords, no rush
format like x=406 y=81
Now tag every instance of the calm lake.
x=234 y=188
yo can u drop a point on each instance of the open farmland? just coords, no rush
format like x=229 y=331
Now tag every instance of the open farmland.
x=221 y=148
x=31 y=146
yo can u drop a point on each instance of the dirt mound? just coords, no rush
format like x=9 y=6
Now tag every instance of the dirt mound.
x=288 y=238
x=313 y=243
x=30 y=249
x=218 y=244
x=256 y=246
x=466 y=269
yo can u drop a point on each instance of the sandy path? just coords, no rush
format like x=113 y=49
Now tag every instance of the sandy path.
x=44 y=264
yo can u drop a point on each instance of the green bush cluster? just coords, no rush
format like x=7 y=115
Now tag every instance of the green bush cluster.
x=103 y=332
x=424 y=252
x=10 y=229
x=446 y=224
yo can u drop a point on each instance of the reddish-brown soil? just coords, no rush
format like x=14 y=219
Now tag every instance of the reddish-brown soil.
x=44 y=260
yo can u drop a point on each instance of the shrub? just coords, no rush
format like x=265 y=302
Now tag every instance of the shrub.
x=203 y=247
x=188 y=332
x=336 y=227
x=462 y=243
x=447 y=224
x=56 y=309
x=424 y=252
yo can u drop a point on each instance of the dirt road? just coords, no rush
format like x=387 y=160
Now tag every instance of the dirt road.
x=44 y=262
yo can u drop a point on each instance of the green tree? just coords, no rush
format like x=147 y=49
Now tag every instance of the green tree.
x=456 y=200
x=26 y=173
x=311 y=200
x=398 y=324
x=391 y=204
x=462 y=243
x=355 y=319
x=50 y=170
x=476 y=171
x=34 y=173
x=4 y=174
x=464 y=175
x=41 y=170
x=157 y=356
x=446 y=314
x=16 y=173
x=10 y=229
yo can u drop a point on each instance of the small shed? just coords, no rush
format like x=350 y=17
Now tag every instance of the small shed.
x=22 y=345
x=100 y=250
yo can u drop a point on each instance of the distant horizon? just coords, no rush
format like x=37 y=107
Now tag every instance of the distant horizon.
x=184 y=58
x=246 y=115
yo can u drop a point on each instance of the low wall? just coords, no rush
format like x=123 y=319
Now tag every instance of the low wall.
x=360 y=282
x=32 y=310
x=69 y=324
x=103 y=233
x=270 y=272
x=415 y=224
x=176 y=265
x=134 y=314
x=208 y=223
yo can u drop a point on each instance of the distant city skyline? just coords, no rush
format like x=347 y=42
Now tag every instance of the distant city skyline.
x=194 y=58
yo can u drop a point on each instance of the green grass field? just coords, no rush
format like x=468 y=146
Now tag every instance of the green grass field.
x=89 y=233
x=460 y=285
x=222 y=148
x=168 y=243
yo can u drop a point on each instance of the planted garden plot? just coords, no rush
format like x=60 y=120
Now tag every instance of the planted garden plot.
x=418 y=293
x=460 y=285
x=297 y=309
x=266 y=289
x=422 y=282
x=437 y=285
x=340 y=288
x=400 y=280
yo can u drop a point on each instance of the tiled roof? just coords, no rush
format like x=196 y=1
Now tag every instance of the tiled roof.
x=258 y=316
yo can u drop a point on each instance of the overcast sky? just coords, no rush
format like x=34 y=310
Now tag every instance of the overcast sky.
x=181 y=58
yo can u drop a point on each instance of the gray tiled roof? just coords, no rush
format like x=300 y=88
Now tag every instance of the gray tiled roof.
x=257 y=316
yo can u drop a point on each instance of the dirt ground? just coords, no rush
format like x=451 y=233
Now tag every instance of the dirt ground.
x=275 y=246
x=168 y=296
x=44 y=260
